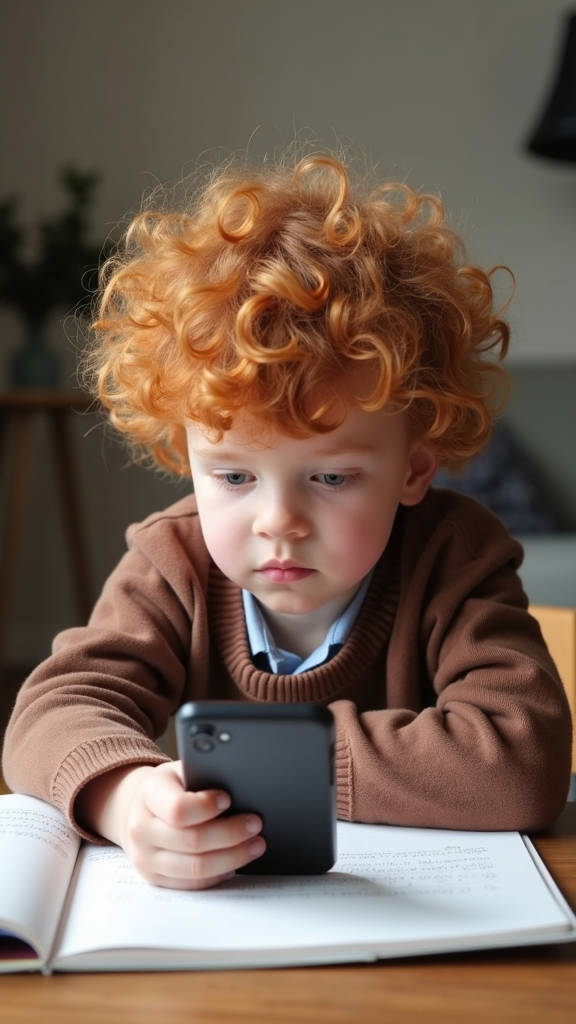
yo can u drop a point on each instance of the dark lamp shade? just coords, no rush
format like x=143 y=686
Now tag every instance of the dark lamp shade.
x=555 y=136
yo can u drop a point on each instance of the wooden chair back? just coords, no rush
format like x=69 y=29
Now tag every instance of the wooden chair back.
x=558 y=627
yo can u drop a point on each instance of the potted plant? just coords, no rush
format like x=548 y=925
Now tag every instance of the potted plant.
x=60 y=276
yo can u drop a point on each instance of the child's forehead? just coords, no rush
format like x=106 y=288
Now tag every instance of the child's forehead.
x=360 y=432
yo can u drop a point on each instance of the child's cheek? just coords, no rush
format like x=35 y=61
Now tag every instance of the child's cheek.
x=224 y=542
x=362 y=543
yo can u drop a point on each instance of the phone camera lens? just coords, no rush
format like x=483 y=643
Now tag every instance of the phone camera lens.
x=203 y=744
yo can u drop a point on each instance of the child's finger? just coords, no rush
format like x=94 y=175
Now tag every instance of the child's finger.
x=217 y=834
x=189 y=809
x=181 y=871
x=166 y=799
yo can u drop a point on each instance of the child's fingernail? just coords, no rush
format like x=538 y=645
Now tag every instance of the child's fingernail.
x=253 y=825
x=222 y=801
x=257 y=847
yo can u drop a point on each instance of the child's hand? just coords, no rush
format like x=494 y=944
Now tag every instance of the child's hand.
x=173 y=838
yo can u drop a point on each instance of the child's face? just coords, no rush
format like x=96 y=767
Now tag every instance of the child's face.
x=299 y=523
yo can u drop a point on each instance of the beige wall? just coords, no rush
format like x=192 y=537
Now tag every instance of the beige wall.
x=440 y=92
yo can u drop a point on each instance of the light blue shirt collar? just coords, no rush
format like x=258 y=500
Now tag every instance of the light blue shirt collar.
x=287 y=663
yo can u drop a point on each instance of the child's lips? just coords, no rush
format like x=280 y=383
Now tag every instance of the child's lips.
x=284 y=572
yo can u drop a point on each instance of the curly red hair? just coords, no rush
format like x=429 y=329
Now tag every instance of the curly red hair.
x=267 y=289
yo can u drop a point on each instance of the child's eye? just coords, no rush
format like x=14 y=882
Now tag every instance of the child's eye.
x=333 y=479
x=234 y=479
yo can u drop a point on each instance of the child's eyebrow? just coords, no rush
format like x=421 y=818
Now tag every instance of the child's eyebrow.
x=331 y=451
x=217 y=453
x=343 y=450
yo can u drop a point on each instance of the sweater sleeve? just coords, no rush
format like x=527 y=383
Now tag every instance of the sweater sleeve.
x=477 y=731
x=107 y=691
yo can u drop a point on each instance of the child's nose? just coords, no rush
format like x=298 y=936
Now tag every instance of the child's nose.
x=280 y=516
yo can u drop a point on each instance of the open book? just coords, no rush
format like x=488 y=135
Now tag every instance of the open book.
x=71 y=906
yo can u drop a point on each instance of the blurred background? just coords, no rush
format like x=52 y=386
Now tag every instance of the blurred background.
x=441 y=93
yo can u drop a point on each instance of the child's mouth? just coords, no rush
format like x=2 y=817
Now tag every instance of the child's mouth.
x=275 y=572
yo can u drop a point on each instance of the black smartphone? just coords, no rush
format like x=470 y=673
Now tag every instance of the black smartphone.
x=275 y=760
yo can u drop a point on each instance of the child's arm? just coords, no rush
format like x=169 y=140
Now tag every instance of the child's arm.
x=173 y=838
x=474 y=730
x=107 y=692
x=82 y=735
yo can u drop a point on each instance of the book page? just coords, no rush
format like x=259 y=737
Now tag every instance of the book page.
x=392 y=890
x=38 y=850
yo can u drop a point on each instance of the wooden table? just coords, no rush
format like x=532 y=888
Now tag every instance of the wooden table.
x=521 y=986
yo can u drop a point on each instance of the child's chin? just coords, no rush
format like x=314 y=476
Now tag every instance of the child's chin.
x=287 y=606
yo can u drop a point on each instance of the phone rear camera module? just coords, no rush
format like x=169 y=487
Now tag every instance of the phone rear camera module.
x=204 y=727
x=202 y=743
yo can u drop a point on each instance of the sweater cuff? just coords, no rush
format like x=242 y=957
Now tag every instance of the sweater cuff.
x=95 y=758
x=343 y=778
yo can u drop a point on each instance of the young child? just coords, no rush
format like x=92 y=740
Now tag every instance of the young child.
x=312 y=354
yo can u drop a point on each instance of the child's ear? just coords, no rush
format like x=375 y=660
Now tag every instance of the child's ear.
x=422 y=466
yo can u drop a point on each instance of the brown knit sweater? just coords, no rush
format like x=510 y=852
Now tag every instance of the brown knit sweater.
x=448 y=709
